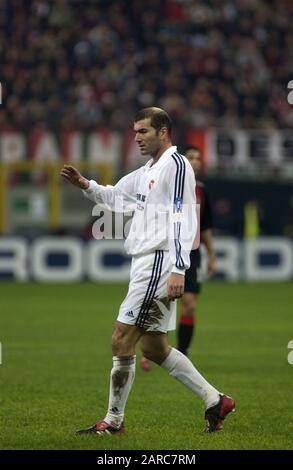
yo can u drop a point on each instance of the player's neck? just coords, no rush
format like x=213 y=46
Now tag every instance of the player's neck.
x=160 y=152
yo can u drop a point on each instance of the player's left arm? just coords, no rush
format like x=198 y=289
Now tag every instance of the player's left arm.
x=206 y=234
x=207 y=240
x=182 y=222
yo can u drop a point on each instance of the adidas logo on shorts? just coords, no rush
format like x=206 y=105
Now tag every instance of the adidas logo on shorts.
x=129 y=314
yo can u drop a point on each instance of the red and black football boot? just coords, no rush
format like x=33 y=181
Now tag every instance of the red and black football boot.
x=216 y=414
x=101 y=427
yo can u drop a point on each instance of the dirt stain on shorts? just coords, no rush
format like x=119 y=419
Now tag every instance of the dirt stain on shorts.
x=155 y=314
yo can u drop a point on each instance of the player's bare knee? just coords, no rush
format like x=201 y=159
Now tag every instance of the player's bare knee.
x=160 y=356
x=118 y=341
x=190 y=309
x=123 y=342
x=121 y=347
x=151 y=356
x=147 y=352
x=155 y=355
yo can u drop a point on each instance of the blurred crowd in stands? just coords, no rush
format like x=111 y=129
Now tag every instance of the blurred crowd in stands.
x=86 y=64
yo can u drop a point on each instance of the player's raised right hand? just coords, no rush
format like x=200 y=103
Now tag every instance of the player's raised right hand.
x=72 y=175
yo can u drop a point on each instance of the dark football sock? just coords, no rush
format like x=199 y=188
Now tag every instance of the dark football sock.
x=185 y=333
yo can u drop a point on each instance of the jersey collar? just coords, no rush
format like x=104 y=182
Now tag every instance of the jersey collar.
x=167 y=154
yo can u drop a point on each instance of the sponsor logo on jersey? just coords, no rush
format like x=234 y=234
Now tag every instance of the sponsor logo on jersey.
x=178 y=204
x=140 y=197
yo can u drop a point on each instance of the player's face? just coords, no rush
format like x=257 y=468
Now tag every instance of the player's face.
x=147 y=137
x=194 y=159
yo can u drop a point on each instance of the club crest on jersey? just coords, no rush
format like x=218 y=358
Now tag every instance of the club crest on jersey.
x=151 y=184
x=178 y=204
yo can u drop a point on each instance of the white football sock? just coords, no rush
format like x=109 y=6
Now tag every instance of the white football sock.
x=121 y=380
x=180 y=367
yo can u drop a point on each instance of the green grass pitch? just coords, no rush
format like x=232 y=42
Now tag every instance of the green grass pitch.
x=56 y=358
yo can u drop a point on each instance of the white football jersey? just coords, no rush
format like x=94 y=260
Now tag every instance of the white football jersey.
x=162 y=198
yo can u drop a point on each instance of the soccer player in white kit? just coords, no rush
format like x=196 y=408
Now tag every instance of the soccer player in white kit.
x=161 y=194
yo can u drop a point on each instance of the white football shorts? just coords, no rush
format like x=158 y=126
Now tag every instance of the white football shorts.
x=146 y=304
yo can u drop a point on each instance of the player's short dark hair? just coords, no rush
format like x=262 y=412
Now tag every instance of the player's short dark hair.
x=159 y=118
x=192 y=147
